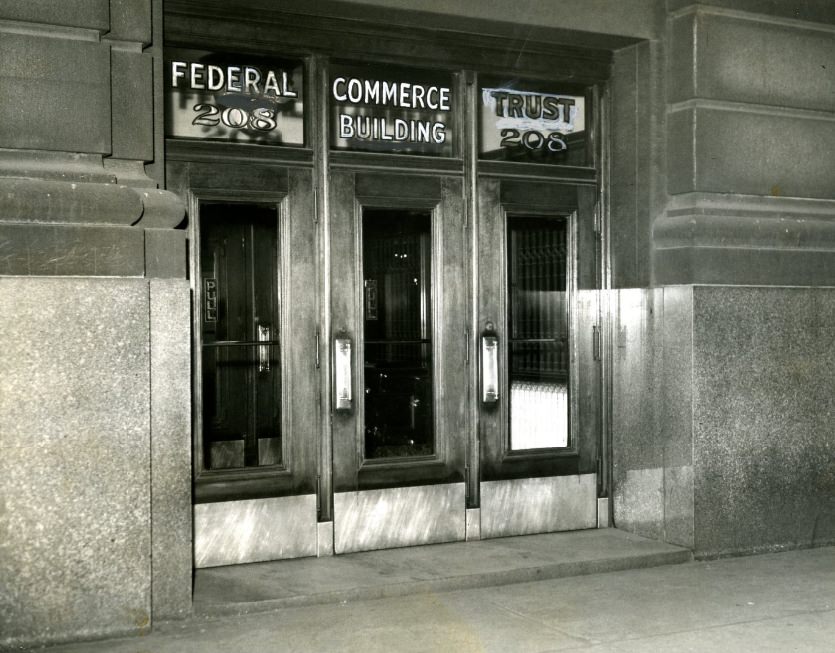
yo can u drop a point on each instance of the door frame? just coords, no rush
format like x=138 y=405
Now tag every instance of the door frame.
x=560 y=492
x=365 y=489
x=270 y=497
x=280 y=200
x=196 y=197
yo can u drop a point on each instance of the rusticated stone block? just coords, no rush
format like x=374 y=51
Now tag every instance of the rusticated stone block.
x=56 y=94
x=132 y=96
x=93 y=14
x=741 y=60
x=130 y=20
x=819 y=11
x=750 y=152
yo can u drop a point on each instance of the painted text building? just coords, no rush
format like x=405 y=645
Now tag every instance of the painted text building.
x=285 y=279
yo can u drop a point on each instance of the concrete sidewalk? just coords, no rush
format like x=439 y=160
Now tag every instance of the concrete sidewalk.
x=775 y=602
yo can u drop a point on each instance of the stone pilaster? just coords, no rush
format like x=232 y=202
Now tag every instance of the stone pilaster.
x=750 y=136
x=95 y=531
x=77 y=127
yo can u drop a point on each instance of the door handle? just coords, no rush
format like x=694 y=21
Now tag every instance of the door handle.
x=263 y=350
x=342 y=373
x=489 y=365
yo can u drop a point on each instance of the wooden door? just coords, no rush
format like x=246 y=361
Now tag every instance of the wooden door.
x=256 y=319
x=399 y=297
x=539 y=432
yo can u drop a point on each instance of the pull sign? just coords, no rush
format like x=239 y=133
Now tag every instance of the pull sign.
x=370 y=299
x=210 y=300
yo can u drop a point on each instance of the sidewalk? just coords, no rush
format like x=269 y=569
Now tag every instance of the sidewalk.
x=775 y=602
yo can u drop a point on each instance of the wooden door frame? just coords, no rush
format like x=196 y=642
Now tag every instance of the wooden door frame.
x=439 y=196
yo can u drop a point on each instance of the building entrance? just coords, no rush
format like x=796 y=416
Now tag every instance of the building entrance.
x=459 y=363
x=396 y=268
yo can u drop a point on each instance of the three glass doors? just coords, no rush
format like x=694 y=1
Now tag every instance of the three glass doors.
x=402 y=372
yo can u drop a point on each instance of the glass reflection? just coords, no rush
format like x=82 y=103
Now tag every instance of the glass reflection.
x=241 y=379
x=398 y=348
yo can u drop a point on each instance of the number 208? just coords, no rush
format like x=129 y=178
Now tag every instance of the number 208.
x=260 y=119
x=534 y=140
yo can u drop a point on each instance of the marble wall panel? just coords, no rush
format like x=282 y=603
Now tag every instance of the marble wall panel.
x=382 y=519
x=254 y=530
x=538 y=505
x=652 y=413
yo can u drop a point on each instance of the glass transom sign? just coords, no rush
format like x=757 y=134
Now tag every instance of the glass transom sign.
x=378 y=108
x=239 y=98
x=532 y=122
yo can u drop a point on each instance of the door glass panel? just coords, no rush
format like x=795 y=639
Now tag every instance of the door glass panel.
x=240 y=378
x=397 y=328
x=538 y=332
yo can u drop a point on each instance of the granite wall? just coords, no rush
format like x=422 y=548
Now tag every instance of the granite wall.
x=764 y=418
x=94 y=421
x=723 y=411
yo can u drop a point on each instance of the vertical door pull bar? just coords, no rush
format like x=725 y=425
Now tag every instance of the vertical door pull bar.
x=489 y=365
x=263 y=350
x=342 y=373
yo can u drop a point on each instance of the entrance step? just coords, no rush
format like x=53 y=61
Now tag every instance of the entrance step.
x=265 y=586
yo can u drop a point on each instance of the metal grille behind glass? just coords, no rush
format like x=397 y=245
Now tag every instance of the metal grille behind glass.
x=538 y=332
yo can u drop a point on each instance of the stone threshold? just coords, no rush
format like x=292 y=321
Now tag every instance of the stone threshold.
x=267 y=586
